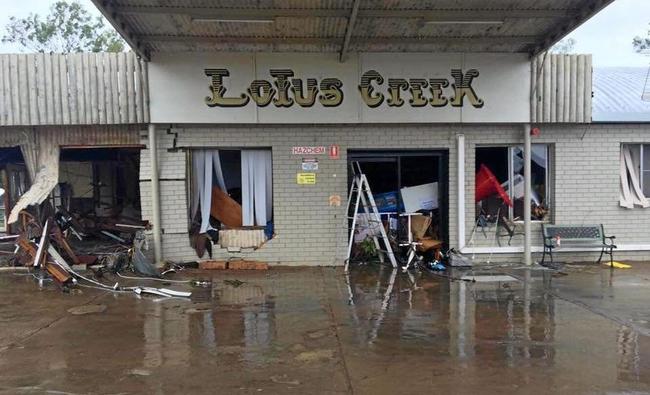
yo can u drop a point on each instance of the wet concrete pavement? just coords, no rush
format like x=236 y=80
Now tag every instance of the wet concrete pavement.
x=318 y=331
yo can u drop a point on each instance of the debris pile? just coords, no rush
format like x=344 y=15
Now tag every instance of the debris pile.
x=48 y=247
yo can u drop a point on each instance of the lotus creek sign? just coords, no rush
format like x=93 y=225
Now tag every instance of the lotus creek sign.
x=285 y=89
x=219 y=88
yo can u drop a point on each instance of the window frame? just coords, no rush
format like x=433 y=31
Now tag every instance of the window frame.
x=189 y=151
x=642 y=148
x=547 y=177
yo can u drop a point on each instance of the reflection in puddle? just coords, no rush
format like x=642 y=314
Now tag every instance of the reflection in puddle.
x=508 y=318
x=222 y=321
x=504 y=319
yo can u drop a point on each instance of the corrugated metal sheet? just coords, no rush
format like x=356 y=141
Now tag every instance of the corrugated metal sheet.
x=562 y=87
x=168 y=26
x=74 y=89
x=48 y=136
x=618 y=94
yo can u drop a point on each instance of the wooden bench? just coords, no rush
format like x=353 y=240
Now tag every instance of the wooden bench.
x=577 y=236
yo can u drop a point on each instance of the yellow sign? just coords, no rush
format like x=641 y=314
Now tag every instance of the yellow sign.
x=306 y=178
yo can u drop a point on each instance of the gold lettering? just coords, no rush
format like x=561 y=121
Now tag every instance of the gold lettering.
x=416 y=86
x=308 y=98
x=366 y=89
x=218 y=91
x=261 y=92
x=394 y=87
x=331 y=93
x=436 y=86
x=463 y=87
x=282 y=84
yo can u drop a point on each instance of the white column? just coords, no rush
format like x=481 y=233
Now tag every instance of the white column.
x=155 y=195
x=460 y=179
x=528 y=259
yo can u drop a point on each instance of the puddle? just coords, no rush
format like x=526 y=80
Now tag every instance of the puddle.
x=489 y=278
x=309 y=329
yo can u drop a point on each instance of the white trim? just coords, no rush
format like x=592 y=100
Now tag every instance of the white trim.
x=520 y=250
x=460 y=180
x=527 y=194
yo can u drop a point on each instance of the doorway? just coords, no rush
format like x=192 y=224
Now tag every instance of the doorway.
x=408 y=181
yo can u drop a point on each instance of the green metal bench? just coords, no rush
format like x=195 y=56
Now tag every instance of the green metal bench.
x=577 y=236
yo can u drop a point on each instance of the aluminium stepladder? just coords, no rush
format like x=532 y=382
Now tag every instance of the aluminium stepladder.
x=361 y=196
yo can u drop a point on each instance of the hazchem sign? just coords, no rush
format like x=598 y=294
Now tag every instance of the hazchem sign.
x=308 y=150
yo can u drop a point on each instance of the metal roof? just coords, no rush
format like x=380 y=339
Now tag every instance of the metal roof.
x=343 y=26
x=618 y=95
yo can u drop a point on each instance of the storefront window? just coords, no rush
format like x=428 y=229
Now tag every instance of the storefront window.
x=506 y=165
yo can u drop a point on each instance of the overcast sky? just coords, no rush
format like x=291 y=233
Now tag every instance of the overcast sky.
x=608 y=35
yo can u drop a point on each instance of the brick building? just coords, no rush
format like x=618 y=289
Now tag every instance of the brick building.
x=416 y=105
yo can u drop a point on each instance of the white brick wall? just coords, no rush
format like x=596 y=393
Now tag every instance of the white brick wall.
x=585 y=165
x=310 y=232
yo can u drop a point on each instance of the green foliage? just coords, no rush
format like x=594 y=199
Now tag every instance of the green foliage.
x=641 y=44
x=368 y=248
x=565 y=46
x=67 y=28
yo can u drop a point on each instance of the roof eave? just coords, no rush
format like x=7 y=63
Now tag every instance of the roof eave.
x=113 y=18
x=591 y=8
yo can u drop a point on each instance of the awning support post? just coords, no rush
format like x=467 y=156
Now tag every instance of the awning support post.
x=155 y=194
x=528 y=258
x=460 y=176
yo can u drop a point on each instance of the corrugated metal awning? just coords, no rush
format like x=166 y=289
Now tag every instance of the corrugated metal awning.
x=346 y=25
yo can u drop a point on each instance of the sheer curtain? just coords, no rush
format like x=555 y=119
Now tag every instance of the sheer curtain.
x=205 y=165
x=631 y=193
x=257 y=187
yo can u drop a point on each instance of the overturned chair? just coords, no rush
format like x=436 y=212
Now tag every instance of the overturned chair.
x=581 y=237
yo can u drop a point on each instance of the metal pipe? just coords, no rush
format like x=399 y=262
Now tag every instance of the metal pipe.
x=155 y=195
x=528 y=259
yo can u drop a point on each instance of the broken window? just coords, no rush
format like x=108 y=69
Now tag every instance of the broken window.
x=95 y=196
x=635 y=175
x=231 y=198
x=99 y=182
x=500 y=170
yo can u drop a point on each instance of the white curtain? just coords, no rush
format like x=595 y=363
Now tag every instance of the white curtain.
x=257 y=184
x=205 y=163
x=46 y=167
x=631 y=192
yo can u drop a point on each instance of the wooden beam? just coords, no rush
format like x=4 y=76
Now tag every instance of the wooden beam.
x=490 y=40
x=348 y=30
x=430 y=14
x=114 y=18
x=562 y=29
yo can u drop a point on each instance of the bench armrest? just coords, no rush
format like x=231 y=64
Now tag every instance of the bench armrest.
x=611 y=241
x=548 y=241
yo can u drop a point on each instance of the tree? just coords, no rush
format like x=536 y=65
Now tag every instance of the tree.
x=69 y=27
x=564 y=46
x=641 y=44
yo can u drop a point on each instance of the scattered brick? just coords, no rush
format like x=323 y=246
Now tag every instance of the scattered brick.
x=213 y=265
x=247 y=265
